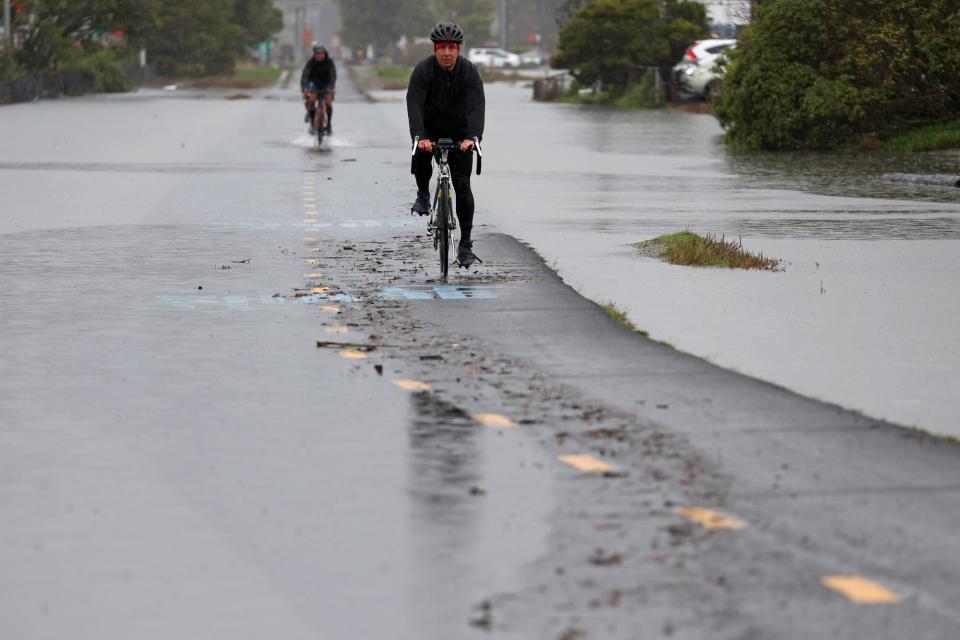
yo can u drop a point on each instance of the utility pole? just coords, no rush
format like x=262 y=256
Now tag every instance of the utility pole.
x=7 y=36
x=503 y=24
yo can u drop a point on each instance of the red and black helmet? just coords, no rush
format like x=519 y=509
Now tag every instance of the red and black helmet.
x=447 y=32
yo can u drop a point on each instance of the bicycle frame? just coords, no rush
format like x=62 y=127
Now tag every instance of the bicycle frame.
x=438 y=226
x=443 y=180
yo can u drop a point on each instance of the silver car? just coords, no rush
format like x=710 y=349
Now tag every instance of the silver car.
x=491 y=57
x=697 y=73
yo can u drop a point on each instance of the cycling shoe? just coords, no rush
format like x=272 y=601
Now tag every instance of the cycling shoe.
x=465 y=255
x=422 y=205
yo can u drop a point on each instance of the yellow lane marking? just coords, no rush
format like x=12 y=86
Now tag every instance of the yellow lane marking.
x=313 y=240
x=350 y=354
x=312 y=276
x=709 y=519
x=313 y=249
x=309 y=221
x=311 y=261
x=319 y=289
x=330 y=308
x=312 y=230
x=861 y=590
x=493 y=420
x=411 y=385
x=586 y=463
x=336 y=329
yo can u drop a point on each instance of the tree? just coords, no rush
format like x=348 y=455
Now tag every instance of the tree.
x=259 y=20
x=51 y=30
x=203 y=37
x=607 y=40
x=383 y=22
x=475 y=17
x=820 y=74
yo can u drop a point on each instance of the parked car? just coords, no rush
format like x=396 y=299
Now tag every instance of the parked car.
x=534 y=57
x=697 y=73
x=489 y=57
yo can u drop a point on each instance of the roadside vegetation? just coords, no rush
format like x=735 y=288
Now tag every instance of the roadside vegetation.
x=691 y=249
x=66 y=46
x=929 y=138
x=827 y=74
x=392 y=76
x=611 y=46
x=382 y=23
x=242 y=77
x=632 y=96
x=620 y=316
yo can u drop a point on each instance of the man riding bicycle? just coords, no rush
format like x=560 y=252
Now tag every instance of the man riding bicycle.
x=319 y=77
x=445 y=100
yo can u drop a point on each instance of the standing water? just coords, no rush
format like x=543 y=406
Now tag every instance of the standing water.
x=864 y=312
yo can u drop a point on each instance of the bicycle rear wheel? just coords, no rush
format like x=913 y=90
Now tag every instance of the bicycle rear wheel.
x=443 y=228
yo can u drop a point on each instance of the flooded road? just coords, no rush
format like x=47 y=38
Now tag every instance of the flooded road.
x=235 y=400
x=178 y=458
x=863 y=314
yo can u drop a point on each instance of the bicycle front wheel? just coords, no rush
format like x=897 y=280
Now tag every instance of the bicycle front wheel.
x=443 y=228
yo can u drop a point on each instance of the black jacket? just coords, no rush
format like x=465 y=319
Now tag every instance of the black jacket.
x=322 y=74
x=445 y=104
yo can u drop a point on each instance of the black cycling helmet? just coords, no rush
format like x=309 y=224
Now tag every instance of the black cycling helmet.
x=447 y=32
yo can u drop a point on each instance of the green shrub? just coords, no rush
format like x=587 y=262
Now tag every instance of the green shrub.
x=821 y=74
x=100 y=70
x=944 y=135
x=636 y=96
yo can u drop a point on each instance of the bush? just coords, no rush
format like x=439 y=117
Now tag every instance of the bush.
x=819 y=74
x=94 y=72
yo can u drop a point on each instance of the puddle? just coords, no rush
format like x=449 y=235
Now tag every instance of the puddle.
x=244 y=303
x=307 y=141
x=438 y=292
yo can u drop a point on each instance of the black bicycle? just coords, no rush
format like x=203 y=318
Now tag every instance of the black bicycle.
x=442 y=221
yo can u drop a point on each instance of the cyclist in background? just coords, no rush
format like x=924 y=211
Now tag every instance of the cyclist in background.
x=445 y=100
x=319 y=77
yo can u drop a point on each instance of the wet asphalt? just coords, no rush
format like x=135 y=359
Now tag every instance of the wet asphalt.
x=236 y=401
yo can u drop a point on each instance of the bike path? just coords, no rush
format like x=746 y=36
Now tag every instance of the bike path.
x=834 y=508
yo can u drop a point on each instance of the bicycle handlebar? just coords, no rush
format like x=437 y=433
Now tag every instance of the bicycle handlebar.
x=452 y=145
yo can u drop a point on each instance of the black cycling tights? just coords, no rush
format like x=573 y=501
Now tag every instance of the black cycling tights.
x=461 y=165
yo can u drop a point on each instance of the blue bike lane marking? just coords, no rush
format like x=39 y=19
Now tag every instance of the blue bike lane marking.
x=438 y=292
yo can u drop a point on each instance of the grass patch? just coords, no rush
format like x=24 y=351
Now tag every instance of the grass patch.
x=633 y=96
x=945 y=135
x=492 y=74
x=242 y=78
x=690 y=249
x=392 y=77
x=620 y=316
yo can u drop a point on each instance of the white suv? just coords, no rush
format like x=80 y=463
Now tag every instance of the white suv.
x=487 y=57
x=696 y=73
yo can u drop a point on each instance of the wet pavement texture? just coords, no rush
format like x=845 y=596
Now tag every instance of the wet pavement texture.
x=236 y=401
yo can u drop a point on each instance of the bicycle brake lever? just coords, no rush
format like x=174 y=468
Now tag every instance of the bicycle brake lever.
x=413 y=154
x=476 y=145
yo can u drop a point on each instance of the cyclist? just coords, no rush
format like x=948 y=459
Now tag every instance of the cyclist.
x=319 y=77
x=445 y=100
